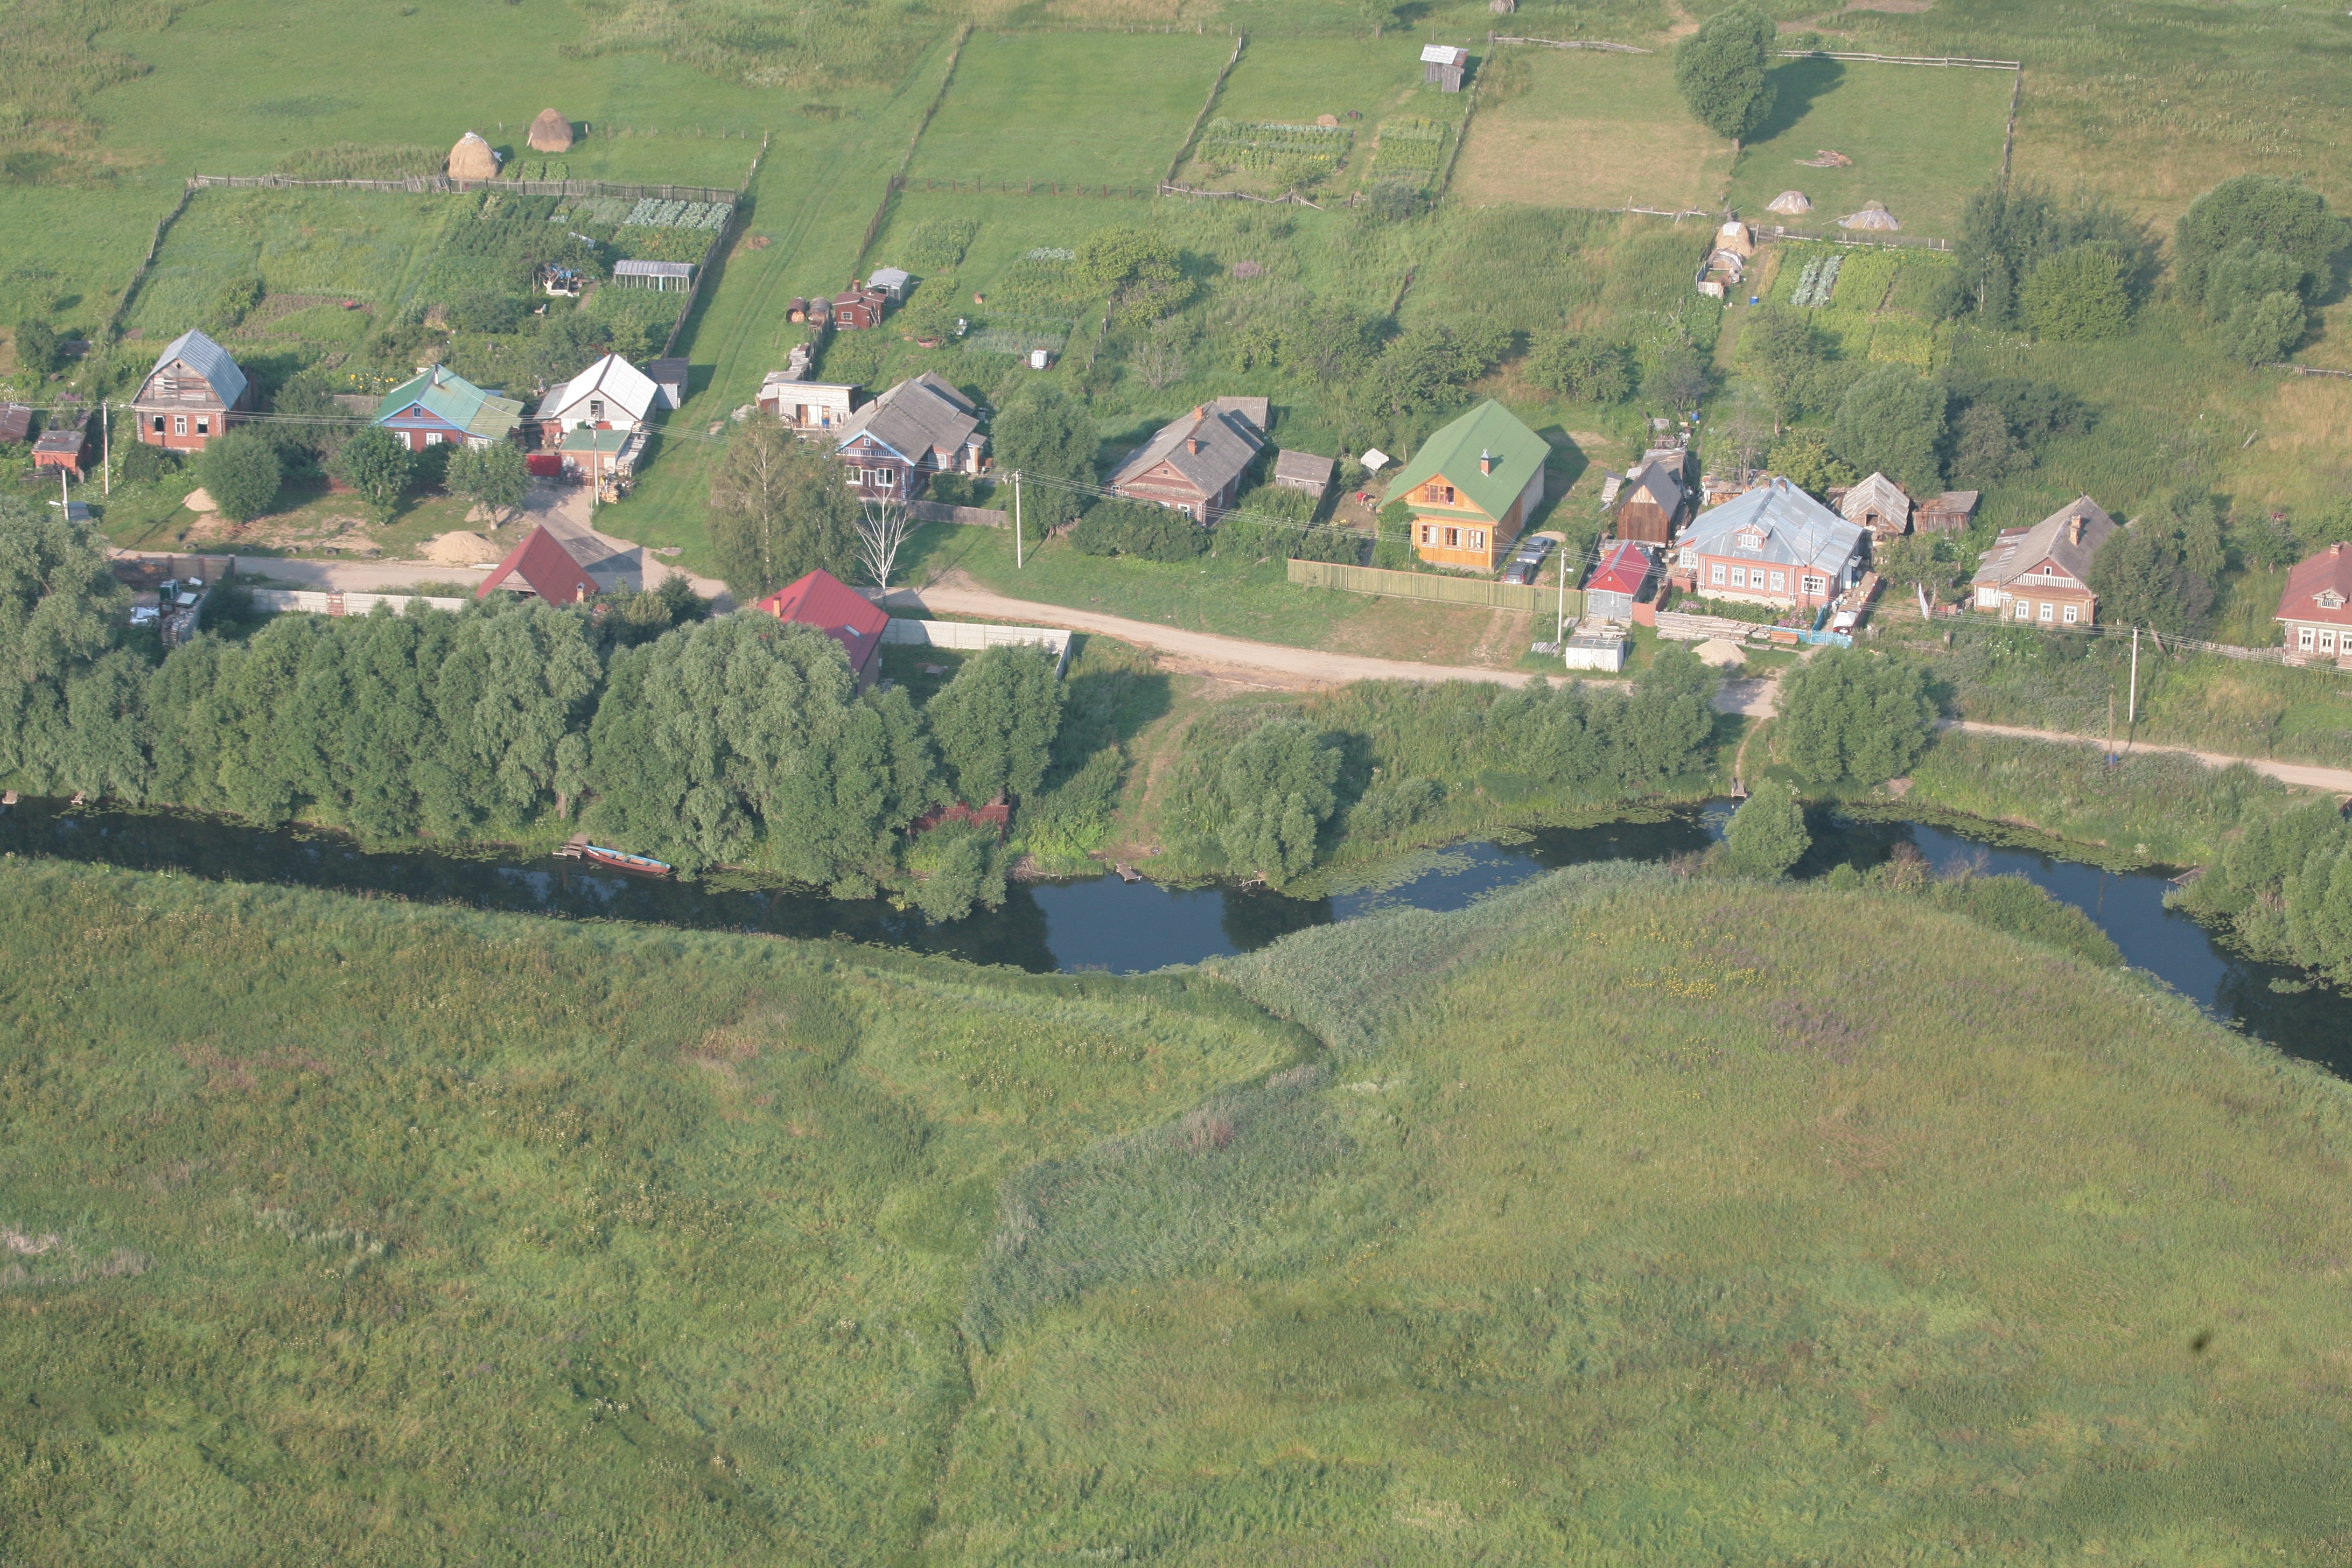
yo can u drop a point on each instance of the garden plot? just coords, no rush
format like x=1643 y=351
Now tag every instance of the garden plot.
x=1589 y=130
x=1921 y=140
x=1069 y=107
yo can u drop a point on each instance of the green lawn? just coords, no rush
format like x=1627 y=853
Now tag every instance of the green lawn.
x=1072 y=107
x=1585 y=129
x=1922 y=139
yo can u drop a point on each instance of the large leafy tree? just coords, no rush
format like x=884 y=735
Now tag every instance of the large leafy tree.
x=1767 y=833
x=2007 y=233
x=242 y=472
x=2257 y=215
x=1847 y=713
x=994 y=723
x=779 y=509
x=1042 y=432
x=377 y=464
x=1891 y=421
x=67 y=702
x=2164 y=570
x=1722 y=70
x=1278 y=787
x=491 y=477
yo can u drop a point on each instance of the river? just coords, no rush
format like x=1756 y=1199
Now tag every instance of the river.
x=1103 y=923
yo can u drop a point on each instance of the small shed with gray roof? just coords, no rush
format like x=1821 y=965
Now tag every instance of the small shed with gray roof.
x=1304 y=472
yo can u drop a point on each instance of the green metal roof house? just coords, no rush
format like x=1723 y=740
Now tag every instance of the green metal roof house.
x=1472 y=486
x=438 y=406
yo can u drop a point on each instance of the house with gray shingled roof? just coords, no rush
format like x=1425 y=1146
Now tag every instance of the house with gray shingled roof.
x=1195 y=464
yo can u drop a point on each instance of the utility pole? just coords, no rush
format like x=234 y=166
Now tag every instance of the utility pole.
x=105 y=447
x=2131 y=720
x=1561 y=633
x=1016 y=519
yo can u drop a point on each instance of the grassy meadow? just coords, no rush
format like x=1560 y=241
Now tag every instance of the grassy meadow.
x=1084 y=108
x=1564 y=128
x=1922 y=139
x=1757 y=1229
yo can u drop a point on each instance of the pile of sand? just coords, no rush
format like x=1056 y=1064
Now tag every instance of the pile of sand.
x=201 y=499
x=1721 y=653
x=460 y=547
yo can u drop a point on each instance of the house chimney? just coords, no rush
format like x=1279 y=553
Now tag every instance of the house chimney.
x=2074 y=531
x=1486 y=462
x=1192 y=445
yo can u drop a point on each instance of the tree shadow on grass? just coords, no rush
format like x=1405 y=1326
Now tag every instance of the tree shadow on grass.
x=1797 y=84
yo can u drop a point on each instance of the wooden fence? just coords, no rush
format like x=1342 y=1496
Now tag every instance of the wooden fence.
x=131 y=289
x=1494 y=38
x=897 y=180
x=1024 y=187
x=442 y=184
x=1433 y=586
x=969 y=516
x=1216 y=87
x=1953 y=60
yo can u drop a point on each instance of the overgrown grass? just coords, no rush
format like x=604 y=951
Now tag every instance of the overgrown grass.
x=440 y=1232
x=1652 y=1222
x=1084 y=108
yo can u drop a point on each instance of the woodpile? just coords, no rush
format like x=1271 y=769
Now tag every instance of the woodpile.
x=550 y=132
x=471 y=159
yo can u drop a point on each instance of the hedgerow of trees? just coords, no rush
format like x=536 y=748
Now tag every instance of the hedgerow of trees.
x=2254 y=252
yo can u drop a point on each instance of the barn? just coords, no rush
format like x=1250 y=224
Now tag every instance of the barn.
x=1651 y=502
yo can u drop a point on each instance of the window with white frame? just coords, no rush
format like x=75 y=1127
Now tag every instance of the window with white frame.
x=2073 y=613
x=884 y=477
x=2327 y=641
x=1429 y=533
x=179 y=423
x=204 y=426
x=2305 y=636
x=1739 y=576
x=434 y=437
x=2024 y=610
x=1816 y=585
x=1779 y=582
x=2047 y=610
x=1718 y=575
x=1478 y=539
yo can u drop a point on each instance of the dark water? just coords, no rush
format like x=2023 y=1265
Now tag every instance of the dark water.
x=1106 y=924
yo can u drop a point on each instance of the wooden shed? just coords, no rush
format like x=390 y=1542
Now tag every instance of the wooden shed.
x=1651 y=504
x=1879 y=505
x=1444 y=64
x=1950 y=512
x=1304 y=472
x=16 y=423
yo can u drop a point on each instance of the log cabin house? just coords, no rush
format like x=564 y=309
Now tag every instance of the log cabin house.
x=2316 y=611
x=1472 y=488
x=2042 y=574
x=191 y=395
x=918 y=427
x=1195 y=464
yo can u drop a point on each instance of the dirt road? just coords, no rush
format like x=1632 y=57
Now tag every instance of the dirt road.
x=2306 y=775
x=1194 y=652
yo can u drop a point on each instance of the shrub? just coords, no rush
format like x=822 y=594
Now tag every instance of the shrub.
x=1277 y=785
x=1575 y=365
x=956 y=865
x=2078 y=295
x=1768 y=835
x=233 y=300
x=241 y=469
x=485 y=310
x=1846 y=713
x=1140 y=528
x=143 y=463
x=39 y=350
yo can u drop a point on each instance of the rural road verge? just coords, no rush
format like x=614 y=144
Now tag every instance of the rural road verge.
x=2308 y=776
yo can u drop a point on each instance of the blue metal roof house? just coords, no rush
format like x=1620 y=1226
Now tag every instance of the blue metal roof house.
x=1772 y=546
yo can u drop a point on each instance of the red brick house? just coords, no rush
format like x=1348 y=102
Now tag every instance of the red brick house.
x=2316 y=611
x=1195 y=464
x=64 y=445
x=823 y=601
x=191 y=395
x=1772 y=545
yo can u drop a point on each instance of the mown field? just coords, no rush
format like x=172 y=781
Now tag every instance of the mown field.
x=352 y=1228
x=1576 y=129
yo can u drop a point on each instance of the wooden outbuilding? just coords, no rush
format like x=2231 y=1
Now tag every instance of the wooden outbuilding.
x=1444 y=64
x=1304 y=472
x=16 y=423
x=1879 y=505
x=64 y=445
x=472 y=159
x=1651 y=504
x=550 y=132
x=192 y=395
x=1950 y=512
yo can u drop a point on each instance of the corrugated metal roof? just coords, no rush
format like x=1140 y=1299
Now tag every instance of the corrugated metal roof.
x=456 y=401
x=1443 y=55
x=1790 y=528
x=207 y=359
x=1452 y=454
x=546 y=566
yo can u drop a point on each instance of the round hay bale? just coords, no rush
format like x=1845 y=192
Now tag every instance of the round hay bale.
x=550 y=132
x=1721 y=653
x=201 y=499
x=1874 y=215
x=471 y=159
x=1328 y=122
x=1789 y=204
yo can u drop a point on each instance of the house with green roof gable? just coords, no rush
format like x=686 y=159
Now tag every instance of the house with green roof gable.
x=438 y=406
x=1472 y=488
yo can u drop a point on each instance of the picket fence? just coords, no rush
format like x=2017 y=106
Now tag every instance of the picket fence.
x=1444 y=589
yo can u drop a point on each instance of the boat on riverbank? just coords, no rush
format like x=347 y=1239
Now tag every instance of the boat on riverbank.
x=616 y=859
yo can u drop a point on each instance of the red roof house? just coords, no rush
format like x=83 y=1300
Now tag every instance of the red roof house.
x=823 y=601
x=2316 y=611
x=540 y=565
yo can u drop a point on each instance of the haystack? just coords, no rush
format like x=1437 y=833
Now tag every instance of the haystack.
x=1328 y=122
x=550 y=132
x=1789 y=204
x=1874 y=214
x=1736 y=237
x=471 y=159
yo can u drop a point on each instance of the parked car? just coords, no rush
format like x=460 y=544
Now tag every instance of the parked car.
x=1527 y=561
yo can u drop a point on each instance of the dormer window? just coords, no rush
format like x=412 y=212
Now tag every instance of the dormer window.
x=2329 y=599
x=1749 y=539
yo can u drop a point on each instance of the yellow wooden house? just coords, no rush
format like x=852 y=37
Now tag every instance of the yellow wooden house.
x=1472 y=488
